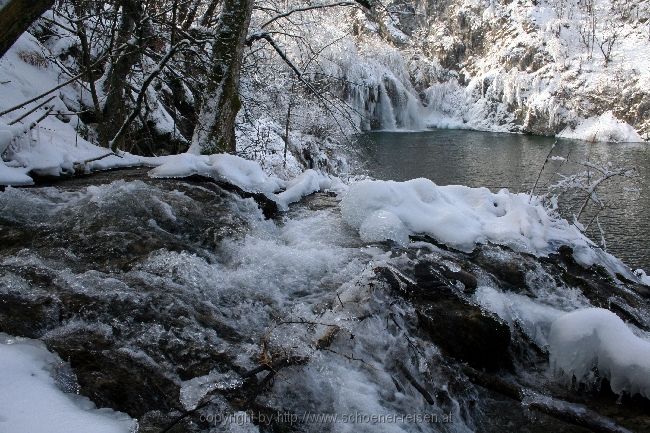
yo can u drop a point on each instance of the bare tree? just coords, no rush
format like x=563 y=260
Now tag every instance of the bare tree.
x=608 y=39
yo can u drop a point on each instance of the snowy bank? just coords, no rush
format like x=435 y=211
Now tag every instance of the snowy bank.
x=605 y=127
x=45 y=141
x=246 y=174
x=597 y=338
x=31 y=400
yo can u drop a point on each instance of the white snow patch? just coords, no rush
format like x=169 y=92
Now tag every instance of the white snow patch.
x=591 y=338
x=246 y=174
x=53 y=146
x=13 y=176
x=30 y=400
x=457 y=216
x=307 y=183
x=605 y=127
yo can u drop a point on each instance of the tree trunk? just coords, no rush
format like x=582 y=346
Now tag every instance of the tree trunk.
x=215 y=129
x=115 y=109
x=16 y=16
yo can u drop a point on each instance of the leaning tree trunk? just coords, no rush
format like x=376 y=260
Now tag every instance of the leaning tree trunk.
x=16 y=16
x=115 y=87
x=215 y=129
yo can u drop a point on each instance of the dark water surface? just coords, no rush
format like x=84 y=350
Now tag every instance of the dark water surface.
x=513 y=161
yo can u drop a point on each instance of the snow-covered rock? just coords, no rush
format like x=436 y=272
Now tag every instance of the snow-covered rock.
x=462 y=217
x=595 y=338
x=246 y=174
x=13 y=176
x=31 y=401
x=455 y=215
x=602 y=128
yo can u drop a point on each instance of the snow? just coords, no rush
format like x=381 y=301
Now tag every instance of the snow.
x=53 y=147
x=602 y=128
x=244 y=173
x=530 y=72
x=597 y=338
x=13 y=176
x=32 y=402
x=643 y=277
x=457 y=216
x=307 y=183
x=462 y=217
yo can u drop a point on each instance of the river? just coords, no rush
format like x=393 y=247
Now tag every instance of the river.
x=514 y=161
x=160 y=294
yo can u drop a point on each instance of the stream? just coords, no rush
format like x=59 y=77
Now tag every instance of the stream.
x=162 y=295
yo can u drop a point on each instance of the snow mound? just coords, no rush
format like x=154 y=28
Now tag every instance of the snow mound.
x=244 y=173
x=591 y=338
x=30 y=400
x=602 y=128
x=457 y=216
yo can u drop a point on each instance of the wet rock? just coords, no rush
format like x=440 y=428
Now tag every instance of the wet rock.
x=113 y=376
x=466 y=278
x=625 y=298
x=509 y=269
x=268 y=206
x=459 y=328
x=28 y=316
x=467 y=333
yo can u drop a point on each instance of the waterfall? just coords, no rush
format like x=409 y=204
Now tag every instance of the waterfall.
x=385 y=111
x=386 y=104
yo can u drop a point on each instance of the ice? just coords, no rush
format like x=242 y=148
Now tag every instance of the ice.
x=534 y=318
x=595 y=338
x=643 y=277
x=31 y=402
x=194 y=390
x=602 y=128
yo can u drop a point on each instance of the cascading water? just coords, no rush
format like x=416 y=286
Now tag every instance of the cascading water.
x=386 y=105
x=162 y=294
